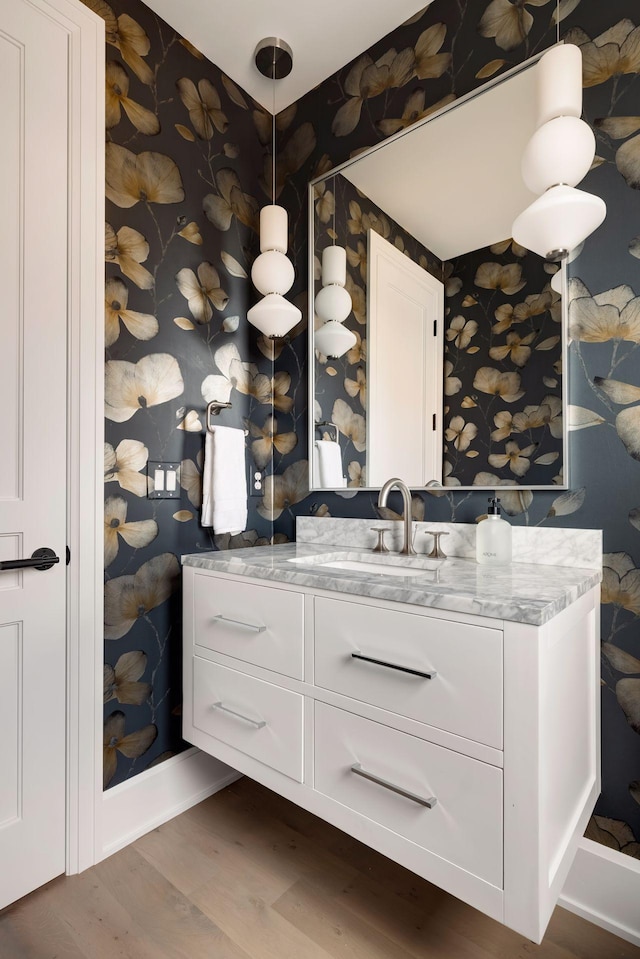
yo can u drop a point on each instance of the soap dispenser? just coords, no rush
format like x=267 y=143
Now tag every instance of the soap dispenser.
x=493 y=537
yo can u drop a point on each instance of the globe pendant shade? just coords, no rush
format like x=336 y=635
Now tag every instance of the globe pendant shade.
x=561 y=151
x=558 y=221
x=333 y=303
x=272 y=272
x=273 y=315
x=333 y=339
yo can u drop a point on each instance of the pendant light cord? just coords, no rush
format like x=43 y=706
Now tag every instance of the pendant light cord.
x=273 y=131
x=557 y=21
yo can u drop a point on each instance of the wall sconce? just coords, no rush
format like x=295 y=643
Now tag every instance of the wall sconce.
x=272 y=272
x=557 y=157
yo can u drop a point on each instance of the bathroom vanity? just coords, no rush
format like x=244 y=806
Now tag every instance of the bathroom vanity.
x=446 y=715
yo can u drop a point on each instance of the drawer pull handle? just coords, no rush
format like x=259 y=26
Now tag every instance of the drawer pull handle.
x=401 y=669
x=359 y=771
x=232 y=712
x=238 y=622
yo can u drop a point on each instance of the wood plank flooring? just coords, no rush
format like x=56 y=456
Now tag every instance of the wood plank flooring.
x=248 y=875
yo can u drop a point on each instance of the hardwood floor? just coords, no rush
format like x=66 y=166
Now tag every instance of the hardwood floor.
x=248 y=875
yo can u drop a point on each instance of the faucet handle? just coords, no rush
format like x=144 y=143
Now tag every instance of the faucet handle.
x=380 y=546
x=437 y=552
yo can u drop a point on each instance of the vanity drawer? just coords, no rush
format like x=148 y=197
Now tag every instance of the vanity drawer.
x=257 y=718
x=464 y=695
x=256 y=624
x=465 y=824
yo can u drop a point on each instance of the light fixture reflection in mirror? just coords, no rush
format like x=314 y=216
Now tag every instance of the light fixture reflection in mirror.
x=504 y=391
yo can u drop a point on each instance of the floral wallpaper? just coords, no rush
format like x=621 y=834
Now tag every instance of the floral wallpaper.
x=438 y=55
x=186 y=151
x=503 y=370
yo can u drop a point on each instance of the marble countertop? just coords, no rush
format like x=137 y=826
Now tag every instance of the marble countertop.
x=522 y=592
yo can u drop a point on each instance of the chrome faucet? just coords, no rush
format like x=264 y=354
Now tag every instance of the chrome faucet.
x=407 y=549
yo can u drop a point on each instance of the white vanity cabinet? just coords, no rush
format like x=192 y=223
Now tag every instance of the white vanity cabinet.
x=463 y=747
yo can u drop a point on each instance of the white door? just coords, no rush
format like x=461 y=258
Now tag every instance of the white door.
x=33 y=377
x=405 y=361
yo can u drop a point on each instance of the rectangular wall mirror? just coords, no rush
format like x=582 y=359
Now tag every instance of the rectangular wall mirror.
x=454 y=371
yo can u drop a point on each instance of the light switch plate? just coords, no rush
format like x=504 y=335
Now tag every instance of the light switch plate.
x=164 y=480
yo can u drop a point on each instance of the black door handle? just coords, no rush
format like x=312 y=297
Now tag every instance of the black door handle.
x=43 y=558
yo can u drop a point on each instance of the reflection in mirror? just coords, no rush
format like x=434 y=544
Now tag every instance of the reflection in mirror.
x=442 y=198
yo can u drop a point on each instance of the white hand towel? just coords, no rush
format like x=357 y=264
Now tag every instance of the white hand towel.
x=329 y=464
x=224 y=481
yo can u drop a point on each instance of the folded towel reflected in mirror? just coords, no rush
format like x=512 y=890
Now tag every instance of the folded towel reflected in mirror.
x=224 y=480
x=329 y=465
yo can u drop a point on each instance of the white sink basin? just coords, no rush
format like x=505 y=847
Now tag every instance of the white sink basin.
x=381 y=569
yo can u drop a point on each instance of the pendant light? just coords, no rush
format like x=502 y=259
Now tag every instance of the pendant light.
x=333 y=302
x=272 y=272
x=557 y=157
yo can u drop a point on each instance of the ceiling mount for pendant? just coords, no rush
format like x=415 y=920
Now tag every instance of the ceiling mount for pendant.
x=274 y=58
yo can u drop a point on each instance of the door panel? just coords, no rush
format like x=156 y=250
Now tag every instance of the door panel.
x=33 y=377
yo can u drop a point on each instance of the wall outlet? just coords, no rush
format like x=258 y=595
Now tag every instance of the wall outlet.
x=255 y=480
x=164 y=482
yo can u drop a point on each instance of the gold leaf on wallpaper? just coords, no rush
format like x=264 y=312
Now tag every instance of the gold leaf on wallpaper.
x=283 y=491
x=468 y=403
x=183 y=515
x=472 y=454
x=129 y=387
x=142 y=326
x=564 y=8
x=352 y=425
x=621 y=660
x=128 y=598
x=461 y=331
x=147 y=177
x=469 y=301
x=417 y=16
x=569 y=502
x=233 y=92
x=120 y=682
x=133 y=44
x=612 y=315
x=506 y=385
x=203 y=105
x=185 y=132
x=628 y=696
x=132 y=746
x=230 y=324
x=128 y=249
x=507 y=24
x=430 y=63
x=331 y=371
x=231 y=202
x=580 y=418
x=123 y=466
x=495 y=276
x=596 y=162
x=135 y=534
x=628 y=162
x=452 y=384
x=267 y=438
x=414 y=110
x=192 y=50
x=628 y=429
x=548 y=344
x=231 y=150
x=202 y=291
x=473 y=349
x=232 y=265
x=549 y=382
x=191 y=481
x=117 y=99
x=459 y=433
x=618 y=128
x=184 y=323
x=347 y=117
x=616 y=390
x=489 y=69
x=547 y=459
x=191 y=232
x=515 y=458
x=514 y=502
x=295 y=153
x=191 y=423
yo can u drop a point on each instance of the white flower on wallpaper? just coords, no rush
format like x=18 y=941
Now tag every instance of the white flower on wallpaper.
x=202 y=291
x=136 y=534
x=130 y=598
x=128 y=248
x=123 y=466
x=204 y=106
x=120 y=682
x=142 y=326
x=130 y=387
x=117 y=97
x=146 y=177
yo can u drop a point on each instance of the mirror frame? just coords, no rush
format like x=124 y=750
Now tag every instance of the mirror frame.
x=348 y=492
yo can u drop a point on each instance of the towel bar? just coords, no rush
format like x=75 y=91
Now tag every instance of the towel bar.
x=213 y=409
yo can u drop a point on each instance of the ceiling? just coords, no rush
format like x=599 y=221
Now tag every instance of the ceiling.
x=324 y=37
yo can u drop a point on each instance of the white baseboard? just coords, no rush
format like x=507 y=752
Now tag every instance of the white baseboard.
x=603 y=886
x=133 y=808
